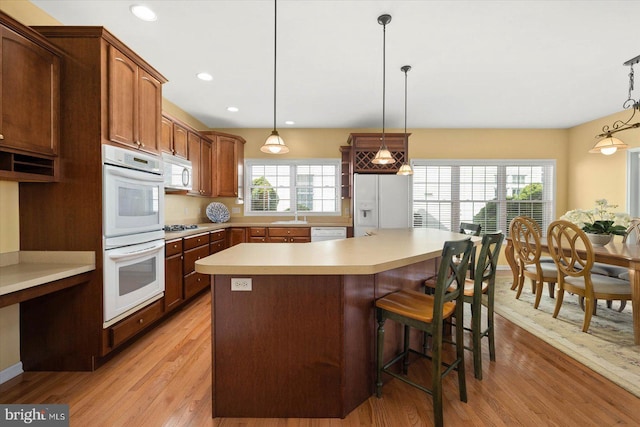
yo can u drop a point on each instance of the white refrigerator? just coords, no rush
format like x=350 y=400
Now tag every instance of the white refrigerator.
x=380 y=201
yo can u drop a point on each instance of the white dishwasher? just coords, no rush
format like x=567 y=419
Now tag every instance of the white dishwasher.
x=319 y=234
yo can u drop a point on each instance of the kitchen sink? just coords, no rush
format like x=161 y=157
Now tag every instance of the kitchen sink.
x=291 y=221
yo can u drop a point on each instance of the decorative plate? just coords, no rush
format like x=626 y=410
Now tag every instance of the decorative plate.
x=217 y=212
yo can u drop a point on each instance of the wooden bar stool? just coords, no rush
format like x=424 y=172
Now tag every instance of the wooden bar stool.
x=427 y=313
x=483 y=284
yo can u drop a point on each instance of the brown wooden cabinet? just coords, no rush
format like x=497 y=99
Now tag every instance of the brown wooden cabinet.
x=74 y=202
x=200 y=152
x=29 y=104
x=134 y=324
x=135 y=103
x=366 y=145
x=289 y=234
x=279 y=234
x=173 y=290
x=236 y=235
x=195 y=248
x=346 y=172
x=229 y=164
x=258 y=235
x=174 y=137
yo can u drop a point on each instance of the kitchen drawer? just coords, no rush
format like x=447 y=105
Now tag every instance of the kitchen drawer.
x=172 y=247
x=218 y=235
x=257 y=232
x=127 y=328
x=195 y=241
x=257 y=239
x=289 y=232
x=191 y=256
x=217 y=246
x=194 y=283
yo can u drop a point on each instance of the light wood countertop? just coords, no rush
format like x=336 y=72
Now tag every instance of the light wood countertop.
x=27 y=269
x=385 y=250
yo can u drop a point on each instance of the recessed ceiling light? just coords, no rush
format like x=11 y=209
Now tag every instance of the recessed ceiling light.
x=289 y=122
x=205 y=76
x=233 y=109
x=143 y=12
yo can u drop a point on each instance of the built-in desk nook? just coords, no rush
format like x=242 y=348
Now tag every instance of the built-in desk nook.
x=293 y=328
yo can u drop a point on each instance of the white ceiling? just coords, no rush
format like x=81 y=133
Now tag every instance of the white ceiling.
x=475 y=64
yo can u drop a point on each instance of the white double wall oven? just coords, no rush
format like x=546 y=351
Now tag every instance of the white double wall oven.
x=133 y=231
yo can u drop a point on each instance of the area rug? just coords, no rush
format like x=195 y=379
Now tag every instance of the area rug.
x=606 y=348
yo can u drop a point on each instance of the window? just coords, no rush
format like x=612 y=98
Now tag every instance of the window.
x=488 y=192
x=283 y=187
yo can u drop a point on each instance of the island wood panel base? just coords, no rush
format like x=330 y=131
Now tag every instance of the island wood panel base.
x=300 y=346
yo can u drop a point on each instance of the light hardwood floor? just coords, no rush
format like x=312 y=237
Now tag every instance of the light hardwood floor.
x=164 y=379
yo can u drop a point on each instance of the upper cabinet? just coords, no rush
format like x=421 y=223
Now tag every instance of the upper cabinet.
x=103 y=72
x=29 y=104
x=228 y=165
x=173 y=138
x=200 y=153
x=135 y=104
x=366 y=145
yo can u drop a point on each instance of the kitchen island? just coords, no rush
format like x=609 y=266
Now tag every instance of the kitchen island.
x=293 y=325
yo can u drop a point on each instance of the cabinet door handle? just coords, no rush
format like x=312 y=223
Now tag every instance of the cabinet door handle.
x=141 y=321
x=1 y=137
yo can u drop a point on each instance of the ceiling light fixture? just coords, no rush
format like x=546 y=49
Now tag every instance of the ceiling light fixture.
x=204 y=76
x=143 y=12
x=383 y=156
x=405 y=169
x=274 y=143
x=609 y=144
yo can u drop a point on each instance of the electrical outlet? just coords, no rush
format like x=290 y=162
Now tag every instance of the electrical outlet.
x=240 y=284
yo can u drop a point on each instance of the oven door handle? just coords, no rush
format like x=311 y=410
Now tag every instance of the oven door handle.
x=131 y=174
x=134 y=254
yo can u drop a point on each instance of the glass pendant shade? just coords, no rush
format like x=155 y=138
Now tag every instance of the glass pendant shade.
x=383 y=157
x=608 y=146
x=274 y=144
x=405 y=169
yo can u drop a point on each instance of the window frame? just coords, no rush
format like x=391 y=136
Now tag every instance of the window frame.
x=292 y=164
x=549 y=188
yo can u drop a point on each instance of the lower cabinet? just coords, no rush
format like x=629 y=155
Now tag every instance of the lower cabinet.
x=195 y=248
x=127 y=328
x=279 y=234
x=173 y=293
x=236 y=235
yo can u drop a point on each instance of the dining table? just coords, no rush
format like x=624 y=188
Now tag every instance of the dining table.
x=614 y=253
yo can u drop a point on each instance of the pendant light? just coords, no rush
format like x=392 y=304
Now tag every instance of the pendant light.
x=383 y=156
x=274 y=143
x=405 y=169
x=609 y=144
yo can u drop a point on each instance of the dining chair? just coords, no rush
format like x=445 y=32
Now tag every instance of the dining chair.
x=427 y=313
x=543 y=258
x=631 y=237
x=474 y=289
x=573 y=255
x=527 y=251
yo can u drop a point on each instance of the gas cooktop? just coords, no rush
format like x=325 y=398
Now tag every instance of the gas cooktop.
x=180 y=227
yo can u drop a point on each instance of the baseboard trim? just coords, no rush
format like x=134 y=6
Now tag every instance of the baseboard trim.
x=10 y=372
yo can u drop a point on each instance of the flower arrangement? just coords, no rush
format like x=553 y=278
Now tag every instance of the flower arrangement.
x=599 y=220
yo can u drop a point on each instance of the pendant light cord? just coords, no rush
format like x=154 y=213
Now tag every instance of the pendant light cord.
x=405 y=99
x=384 y=61
x=275 y=56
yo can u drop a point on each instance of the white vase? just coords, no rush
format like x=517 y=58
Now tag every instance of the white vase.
x=599 y=239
